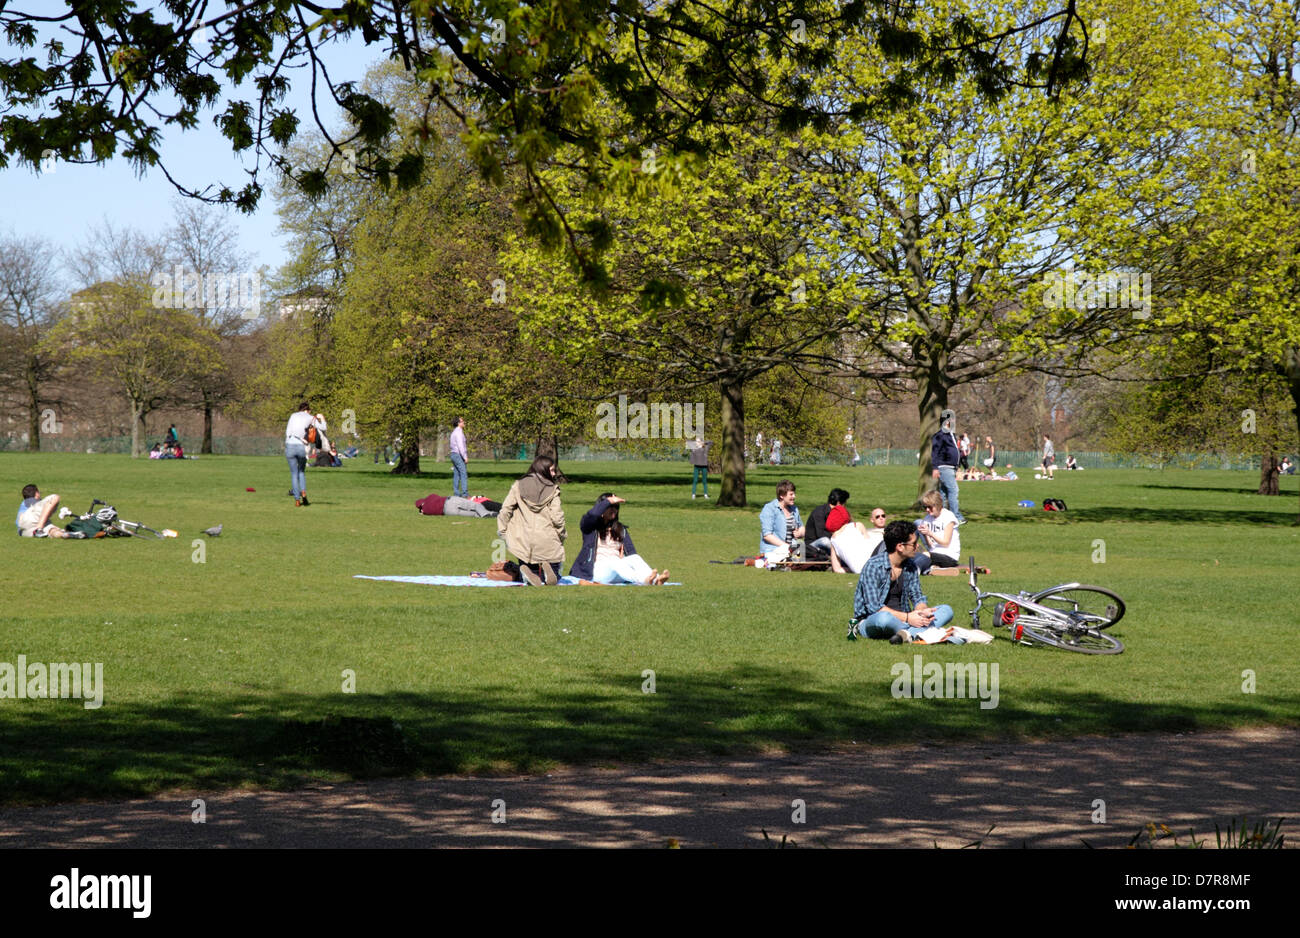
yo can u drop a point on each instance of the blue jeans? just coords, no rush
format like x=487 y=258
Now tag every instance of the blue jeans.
x=459 y=476
x=948 y=486
x=296 y=455
x=883 y=624
x=700 y=473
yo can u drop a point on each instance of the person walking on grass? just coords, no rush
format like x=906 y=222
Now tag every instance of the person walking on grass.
x=301 y=431
x=945 y=456
x=459 y=460
x=700 y=464
x=1049 y=457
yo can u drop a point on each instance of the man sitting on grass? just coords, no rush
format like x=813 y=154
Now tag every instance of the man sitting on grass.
x=888 y=602
x=34 y=514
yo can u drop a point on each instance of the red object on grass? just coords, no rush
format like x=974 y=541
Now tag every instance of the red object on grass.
x=250 y=490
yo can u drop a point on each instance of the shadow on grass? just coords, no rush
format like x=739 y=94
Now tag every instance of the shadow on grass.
x=1284 y=515
x=55 y=751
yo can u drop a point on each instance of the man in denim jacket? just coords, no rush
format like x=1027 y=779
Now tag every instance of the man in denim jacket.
x=779 y=539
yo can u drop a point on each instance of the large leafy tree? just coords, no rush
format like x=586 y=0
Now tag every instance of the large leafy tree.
x=99 y=78
x=423 y=332
x=148 y=354
x=1235 y=251
x=718 y=282
x=960 y=212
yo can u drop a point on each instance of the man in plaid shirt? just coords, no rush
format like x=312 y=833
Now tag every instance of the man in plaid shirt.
x=888 y=602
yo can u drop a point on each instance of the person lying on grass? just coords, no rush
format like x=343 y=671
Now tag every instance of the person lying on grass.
x=888 y=602
x=608 y=555
x=34 y=515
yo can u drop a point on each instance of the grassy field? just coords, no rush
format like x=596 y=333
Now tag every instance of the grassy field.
x=229 y=672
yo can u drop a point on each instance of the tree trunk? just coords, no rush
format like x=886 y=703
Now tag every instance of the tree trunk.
x=932 y=398
x=733 y=445
x=547 y=445
x=1268 y=473
x=33 y=413
x=206 y=447
x=408 y=456
x=137 y=428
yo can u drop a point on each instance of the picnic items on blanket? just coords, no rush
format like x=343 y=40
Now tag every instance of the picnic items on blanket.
x=437 y=580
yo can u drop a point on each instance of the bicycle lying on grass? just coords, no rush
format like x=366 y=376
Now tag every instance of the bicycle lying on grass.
x=114 y=526
x=1070 y=616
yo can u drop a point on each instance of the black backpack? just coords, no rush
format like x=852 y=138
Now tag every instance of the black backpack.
x=1053 y=504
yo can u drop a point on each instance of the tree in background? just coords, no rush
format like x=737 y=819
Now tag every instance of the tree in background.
x=117 y=329
x=960 y=212
x=1234 y=250
x=29 y=307
x=116 y=334
x=203 y=245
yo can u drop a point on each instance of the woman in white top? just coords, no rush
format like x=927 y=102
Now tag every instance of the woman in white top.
x=940 y=528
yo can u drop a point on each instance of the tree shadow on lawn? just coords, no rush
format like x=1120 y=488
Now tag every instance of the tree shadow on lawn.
x=1128 y=514
x=55 y=751
x=1221 y=489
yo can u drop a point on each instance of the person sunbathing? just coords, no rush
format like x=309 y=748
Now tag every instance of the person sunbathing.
x=34 y=515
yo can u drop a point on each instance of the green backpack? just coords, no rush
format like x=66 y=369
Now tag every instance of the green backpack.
x=91 y=527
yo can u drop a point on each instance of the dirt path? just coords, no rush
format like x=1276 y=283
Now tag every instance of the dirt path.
x=1039 y=794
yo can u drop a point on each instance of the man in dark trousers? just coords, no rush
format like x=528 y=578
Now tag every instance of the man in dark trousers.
x=945 y=455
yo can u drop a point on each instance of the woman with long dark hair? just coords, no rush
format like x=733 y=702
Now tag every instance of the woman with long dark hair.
x=608 y=555
x=532 y=522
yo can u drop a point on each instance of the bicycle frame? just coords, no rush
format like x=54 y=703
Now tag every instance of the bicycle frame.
x=1036 y=622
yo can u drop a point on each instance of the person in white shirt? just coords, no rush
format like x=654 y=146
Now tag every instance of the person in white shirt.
x=296 y=433
x=940 y=528
x=459 y=460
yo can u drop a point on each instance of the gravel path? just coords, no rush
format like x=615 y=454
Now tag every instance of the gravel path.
x=1039 y=793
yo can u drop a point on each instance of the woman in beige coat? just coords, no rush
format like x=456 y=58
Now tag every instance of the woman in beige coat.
x=532 y=523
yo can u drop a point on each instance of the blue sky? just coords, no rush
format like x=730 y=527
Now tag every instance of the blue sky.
x=61 y=205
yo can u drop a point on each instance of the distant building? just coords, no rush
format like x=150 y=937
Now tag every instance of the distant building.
x=312 y=301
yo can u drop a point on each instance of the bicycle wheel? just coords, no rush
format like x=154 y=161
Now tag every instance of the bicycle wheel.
x=1059 y=633
x=1091 y=606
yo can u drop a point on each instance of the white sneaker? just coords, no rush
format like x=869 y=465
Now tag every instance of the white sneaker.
x=692 y=496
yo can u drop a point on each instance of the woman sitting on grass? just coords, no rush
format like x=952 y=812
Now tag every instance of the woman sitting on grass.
x=608 y=555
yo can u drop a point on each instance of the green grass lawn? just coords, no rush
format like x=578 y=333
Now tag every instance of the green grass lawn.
x=230 y=672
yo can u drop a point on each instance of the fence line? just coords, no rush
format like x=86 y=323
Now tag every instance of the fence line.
x=673 y=450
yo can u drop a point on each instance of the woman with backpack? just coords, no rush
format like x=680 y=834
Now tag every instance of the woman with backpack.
x=301 y=431
x=531 y=521
x=608 y=555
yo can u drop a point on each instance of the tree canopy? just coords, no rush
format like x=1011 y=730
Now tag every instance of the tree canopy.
x=102 y=78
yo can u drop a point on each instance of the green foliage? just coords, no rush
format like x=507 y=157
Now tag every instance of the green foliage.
x=533 y=72
x=1197 y=402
